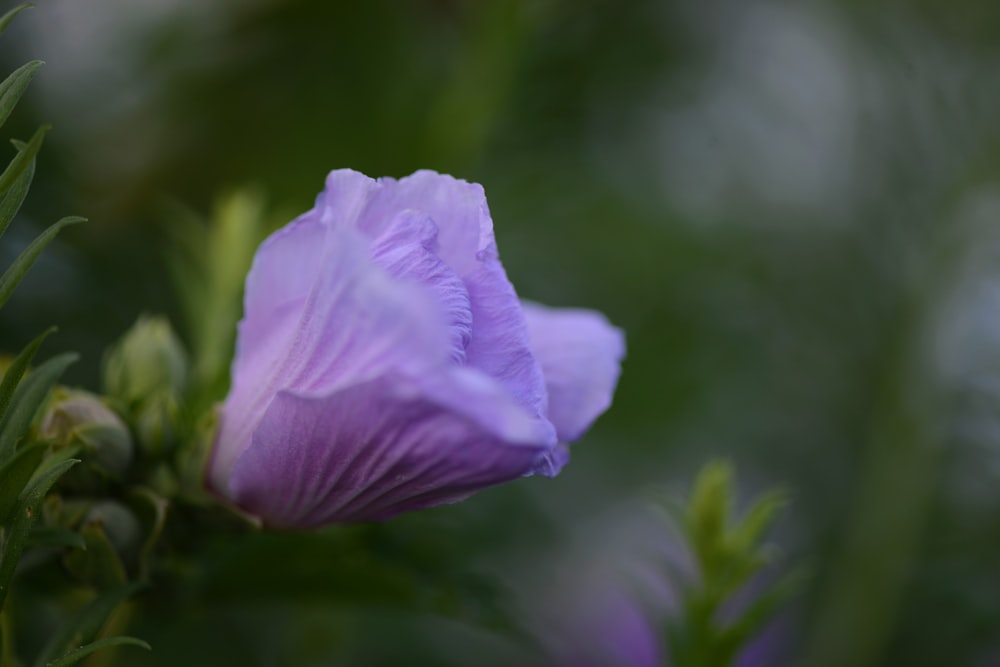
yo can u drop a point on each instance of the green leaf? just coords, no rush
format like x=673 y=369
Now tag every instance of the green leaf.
x=27 y=399
x=763 y=608
x=15 y=475
x=744 y=538
x=13 y=87
x=79 y=654
x=99 y=564
x=16 y=370
x=84 y=625
x=23 y=159
x=25 y=513
x=708 y=515
x=15 y=273
x=9 y=16
x=55 y=537
x=12 y=198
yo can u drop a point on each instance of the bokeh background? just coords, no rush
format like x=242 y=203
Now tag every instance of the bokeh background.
x=792 y=209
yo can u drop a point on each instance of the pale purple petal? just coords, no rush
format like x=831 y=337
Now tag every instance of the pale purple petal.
x=580 y=353
x=499 y=344
x=283 y=271
x=457 y=207
x=390 y=445
x=354 y=324
x=406 y=250
x=346 y=196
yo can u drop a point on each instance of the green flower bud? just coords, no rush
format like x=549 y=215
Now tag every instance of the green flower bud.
x=120 y=525
x=148 y=359
x=79 y=417
x=155 y=421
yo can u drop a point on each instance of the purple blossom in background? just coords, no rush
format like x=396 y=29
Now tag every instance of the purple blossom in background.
x=385 y=363
x=624 y=627
x=608 y=601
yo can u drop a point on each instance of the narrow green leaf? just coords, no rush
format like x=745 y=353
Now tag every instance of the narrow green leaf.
x=13 y=87
x=24 y=157
x=9 y=16
x=756 y=521
x=28 y=398
x=15 y=475
x=79 y=654
x=708 y=515
x=98 y=565
x=16 y=370
x=763 y=608
x=85 y=624
x=55 y=537
x=12 y=198
x=13 y=275
x=25 y=513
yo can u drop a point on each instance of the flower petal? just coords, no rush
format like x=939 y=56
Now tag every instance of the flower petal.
x=346 y=196
x=393 y=444
x=580 y=354
x=457 y=207
x=283 y=271
x=406 y=250
x=354 y=324
x=499 y=344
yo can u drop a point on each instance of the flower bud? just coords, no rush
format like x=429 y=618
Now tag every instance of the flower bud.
x=79 y=417
x=148 y=359
x=120 y=525
x=155 y=422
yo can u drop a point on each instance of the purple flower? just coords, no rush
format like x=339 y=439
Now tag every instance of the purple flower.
x=384 y=362
x=608 y=599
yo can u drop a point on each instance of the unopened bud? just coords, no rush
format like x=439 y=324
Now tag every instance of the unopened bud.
x=148 y=359
x=120 y=525
x=79 y=417
x=155 y=421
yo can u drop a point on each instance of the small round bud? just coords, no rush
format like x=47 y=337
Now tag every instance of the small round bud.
x=120 y=525
x=79 y=417
x=148 y=359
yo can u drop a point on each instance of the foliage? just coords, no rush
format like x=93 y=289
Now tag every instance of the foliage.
x=730 y=557
x=30 y=466
x=761 y=193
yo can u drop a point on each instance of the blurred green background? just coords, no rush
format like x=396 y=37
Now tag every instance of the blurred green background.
x=791 y=208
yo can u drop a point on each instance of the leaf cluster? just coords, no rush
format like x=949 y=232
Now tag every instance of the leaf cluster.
x=30 y=466
x=729 y=553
